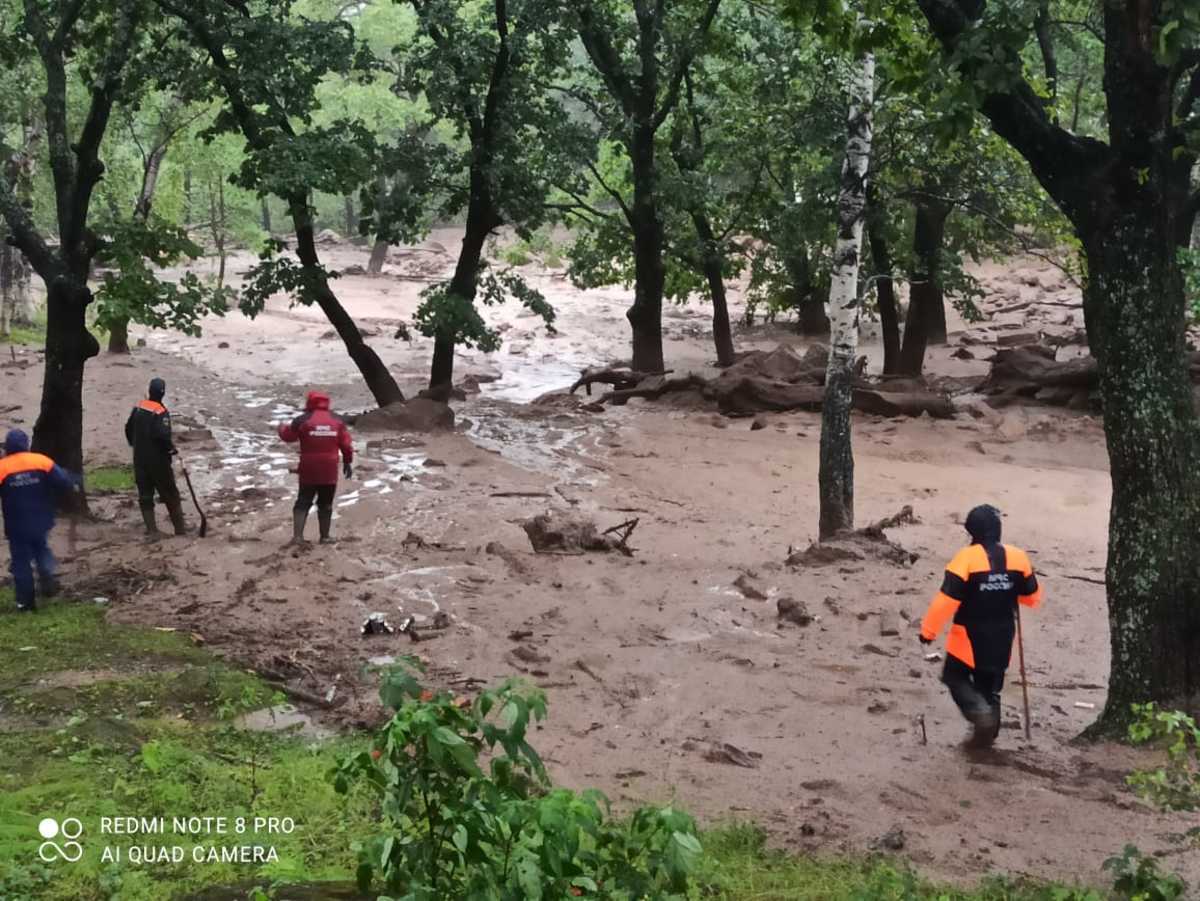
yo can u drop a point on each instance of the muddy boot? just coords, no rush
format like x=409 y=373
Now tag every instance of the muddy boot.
x=986 y=727
x=175 y=510
x=299 y=518
x=325 y=521
x=152 y=532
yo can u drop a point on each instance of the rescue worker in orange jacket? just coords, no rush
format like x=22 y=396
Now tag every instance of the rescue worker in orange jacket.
x=980 y=591
x=148 y=431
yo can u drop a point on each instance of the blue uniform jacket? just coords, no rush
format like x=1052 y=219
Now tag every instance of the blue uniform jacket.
x=28 y=483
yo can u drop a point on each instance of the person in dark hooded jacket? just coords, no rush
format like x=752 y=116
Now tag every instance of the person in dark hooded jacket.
x=323 y=437
x=148 y=431
x=980 y=591
x=28 y=483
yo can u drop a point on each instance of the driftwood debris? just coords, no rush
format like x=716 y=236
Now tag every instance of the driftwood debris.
x=562 y=533
x=619 y=377
x=860 y=544
x=766 y=381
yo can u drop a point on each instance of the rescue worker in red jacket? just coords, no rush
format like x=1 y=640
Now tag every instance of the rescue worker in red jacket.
x=148 y=431
x=980 y=591
x=322 y=436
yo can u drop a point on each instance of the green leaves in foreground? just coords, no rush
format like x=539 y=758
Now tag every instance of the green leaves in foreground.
x=454 y=829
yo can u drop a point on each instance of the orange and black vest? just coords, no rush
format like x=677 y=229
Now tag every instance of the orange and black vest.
x=980 y=591
x=148 y=431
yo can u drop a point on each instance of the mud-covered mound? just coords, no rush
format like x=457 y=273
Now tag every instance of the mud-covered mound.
x=420 y=414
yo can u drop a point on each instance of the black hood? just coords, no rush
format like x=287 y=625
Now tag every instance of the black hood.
x=983 y=524
x=158 y=389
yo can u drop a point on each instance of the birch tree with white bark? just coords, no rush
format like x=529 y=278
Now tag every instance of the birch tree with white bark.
x=836 y=476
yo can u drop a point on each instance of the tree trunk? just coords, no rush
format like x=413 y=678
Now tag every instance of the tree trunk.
x=715 y=274
x=379 y=254
x=266 y=215
x=351 y=218
x=58 y=432
x=645 y=316
x=836 y=475
x=481 y=220
x=379 y=379
x=8 y=285
x=926 y=320
x=811 y=318
x=885 y=286
x=1133 y=304
x=118 y=336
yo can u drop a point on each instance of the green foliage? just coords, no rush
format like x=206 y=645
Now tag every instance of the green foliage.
x=458 y=830
x=274 y=274
x=109 y=479
x=1175 y=786
x=1138 y=878
x=444 y=312
x=129 y=288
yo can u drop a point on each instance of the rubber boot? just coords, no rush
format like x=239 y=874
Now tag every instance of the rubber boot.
x=299 y=518
x=325 y=521
x=175 y=510
x=986 y=729
x=151 y=526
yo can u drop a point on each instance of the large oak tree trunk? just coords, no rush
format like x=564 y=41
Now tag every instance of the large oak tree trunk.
x=1133 y=304
x=885 y=286
x=482 y=219
x=925 y=323
x=375 y=373
x=645 y=316
x=836 y=475
x=58 y=431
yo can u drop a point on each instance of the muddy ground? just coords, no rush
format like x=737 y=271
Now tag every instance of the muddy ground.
x=655 y=662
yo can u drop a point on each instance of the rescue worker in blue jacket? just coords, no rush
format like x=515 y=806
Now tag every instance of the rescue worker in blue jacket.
x=28 y=483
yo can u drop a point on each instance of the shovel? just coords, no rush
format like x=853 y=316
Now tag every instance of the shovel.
x=192 y=491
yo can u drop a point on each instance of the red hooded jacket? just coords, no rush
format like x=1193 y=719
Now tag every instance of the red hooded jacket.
x=321 y=435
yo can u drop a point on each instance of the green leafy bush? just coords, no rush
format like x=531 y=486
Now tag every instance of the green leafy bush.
x=1175 y=786
x=456 y=830
x=1137 y=877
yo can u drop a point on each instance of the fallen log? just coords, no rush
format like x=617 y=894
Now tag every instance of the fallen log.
x=620 y=377
x=758 y=395
x=653 y=387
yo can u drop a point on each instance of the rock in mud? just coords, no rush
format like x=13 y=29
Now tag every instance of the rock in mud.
x=792 y=611
x=417 y=415
x=732 y=754
x=564 y=533
x=749 y=587
x=759 y=423
x=892 y=840
x=888 y=624
x=496 y=549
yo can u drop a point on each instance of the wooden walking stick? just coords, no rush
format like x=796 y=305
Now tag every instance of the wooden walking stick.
x=1024 y=678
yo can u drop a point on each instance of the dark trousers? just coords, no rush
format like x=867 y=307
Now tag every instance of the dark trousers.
x=974 y=691
x=156 y=476
x=322 y=493
x=27 y=553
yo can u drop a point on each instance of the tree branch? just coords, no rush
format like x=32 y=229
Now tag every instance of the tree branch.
x=612 y=192
x=89 y=170
x=22 y=232
x=685 y=62
x=498 y=84
x=1062 y=162
x=604 y=57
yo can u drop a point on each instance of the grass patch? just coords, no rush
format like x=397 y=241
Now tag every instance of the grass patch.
x=110 y=479
x=739 y=866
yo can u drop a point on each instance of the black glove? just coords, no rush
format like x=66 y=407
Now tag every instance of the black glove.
x=347 y=471
x=925 y=640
